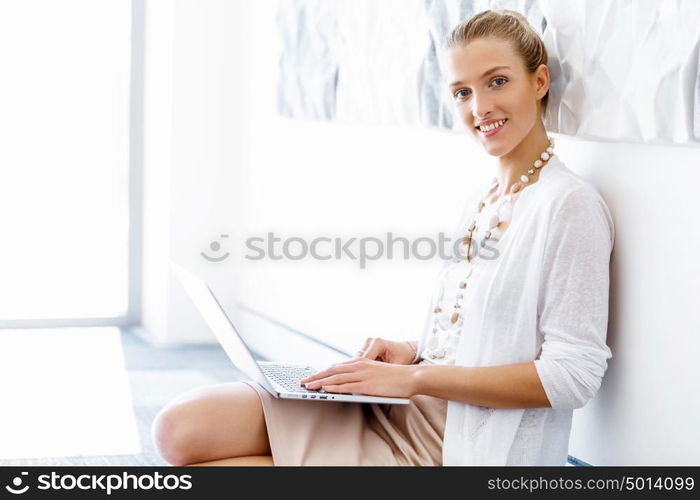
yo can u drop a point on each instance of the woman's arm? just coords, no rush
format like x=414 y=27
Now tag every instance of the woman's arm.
x=503 y=386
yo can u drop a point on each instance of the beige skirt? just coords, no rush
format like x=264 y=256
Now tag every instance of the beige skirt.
x=336 y=433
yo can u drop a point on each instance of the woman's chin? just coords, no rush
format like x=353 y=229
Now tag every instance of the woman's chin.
x=494 y=150
x=498 y=149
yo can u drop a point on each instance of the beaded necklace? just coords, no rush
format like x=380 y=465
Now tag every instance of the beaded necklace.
x=436 y=347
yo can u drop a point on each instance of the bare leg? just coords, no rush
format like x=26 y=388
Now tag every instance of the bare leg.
x=212 y=423
x=240 y=461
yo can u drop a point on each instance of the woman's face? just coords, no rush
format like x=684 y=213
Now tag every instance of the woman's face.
x=507 y=93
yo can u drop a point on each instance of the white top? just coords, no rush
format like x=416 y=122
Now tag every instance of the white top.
x=544 y=298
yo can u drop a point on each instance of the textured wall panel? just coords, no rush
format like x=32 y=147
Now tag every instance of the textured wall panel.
x=621 y=69
x=309 y=63
x=624 y=69
x=381 y=53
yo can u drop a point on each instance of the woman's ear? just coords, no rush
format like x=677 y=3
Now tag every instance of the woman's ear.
x=542 y=80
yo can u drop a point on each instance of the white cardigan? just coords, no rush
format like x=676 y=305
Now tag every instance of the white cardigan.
x=544 y=298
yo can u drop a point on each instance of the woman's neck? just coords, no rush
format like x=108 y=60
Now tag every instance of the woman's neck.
x=518 y=161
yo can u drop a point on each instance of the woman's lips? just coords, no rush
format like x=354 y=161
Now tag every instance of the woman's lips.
x=492 y=132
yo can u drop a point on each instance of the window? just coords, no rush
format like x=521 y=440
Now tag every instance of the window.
x=64 y=162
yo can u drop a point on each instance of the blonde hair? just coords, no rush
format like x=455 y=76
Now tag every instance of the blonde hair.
x=507 y=25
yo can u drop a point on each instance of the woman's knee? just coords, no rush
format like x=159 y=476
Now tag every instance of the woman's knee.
x=208 y=421
x=169 y=433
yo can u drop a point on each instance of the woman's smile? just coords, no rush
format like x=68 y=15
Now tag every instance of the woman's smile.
x=492 y=132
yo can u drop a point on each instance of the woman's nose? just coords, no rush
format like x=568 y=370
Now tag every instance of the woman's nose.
x=481 y=107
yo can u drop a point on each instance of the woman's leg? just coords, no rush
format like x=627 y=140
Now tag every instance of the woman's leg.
x=211 y=423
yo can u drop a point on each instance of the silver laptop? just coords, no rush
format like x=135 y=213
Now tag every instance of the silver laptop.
x=278 y=378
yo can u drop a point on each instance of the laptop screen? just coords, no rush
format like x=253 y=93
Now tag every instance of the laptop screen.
x=220 y=324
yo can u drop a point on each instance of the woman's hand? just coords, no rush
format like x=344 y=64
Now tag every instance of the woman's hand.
x=389 y=351
x=373 y=378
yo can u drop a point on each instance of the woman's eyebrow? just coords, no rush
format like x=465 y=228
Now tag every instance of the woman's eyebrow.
x=495 y=68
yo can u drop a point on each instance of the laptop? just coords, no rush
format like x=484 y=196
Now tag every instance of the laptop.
x=280 y=379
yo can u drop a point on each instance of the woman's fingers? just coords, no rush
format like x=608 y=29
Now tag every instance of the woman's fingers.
x=365 y=346
x=315 y=376
x=376 y=350
x=346 y=366
x=342 y=378
x=349 y=388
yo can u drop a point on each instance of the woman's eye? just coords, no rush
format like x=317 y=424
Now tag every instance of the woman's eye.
x=457 y=94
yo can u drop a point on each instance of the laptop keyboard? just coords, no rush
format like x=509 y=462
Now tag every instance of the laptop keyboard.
x=288 y=376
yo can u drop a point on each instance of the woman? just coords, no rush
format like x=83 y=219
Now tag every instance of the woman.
x=515 y=336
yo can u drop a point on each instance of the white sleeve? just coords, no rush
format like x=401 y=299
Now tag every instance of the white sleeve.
x=573 y=299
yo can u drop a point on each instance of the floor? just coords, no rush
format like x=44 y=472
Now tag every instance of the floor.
x=156 y=375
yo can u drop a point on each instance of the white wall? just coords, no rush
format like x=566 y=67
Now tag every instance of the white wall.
x=195 y=149
x=647 y=411
x=218 y=160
